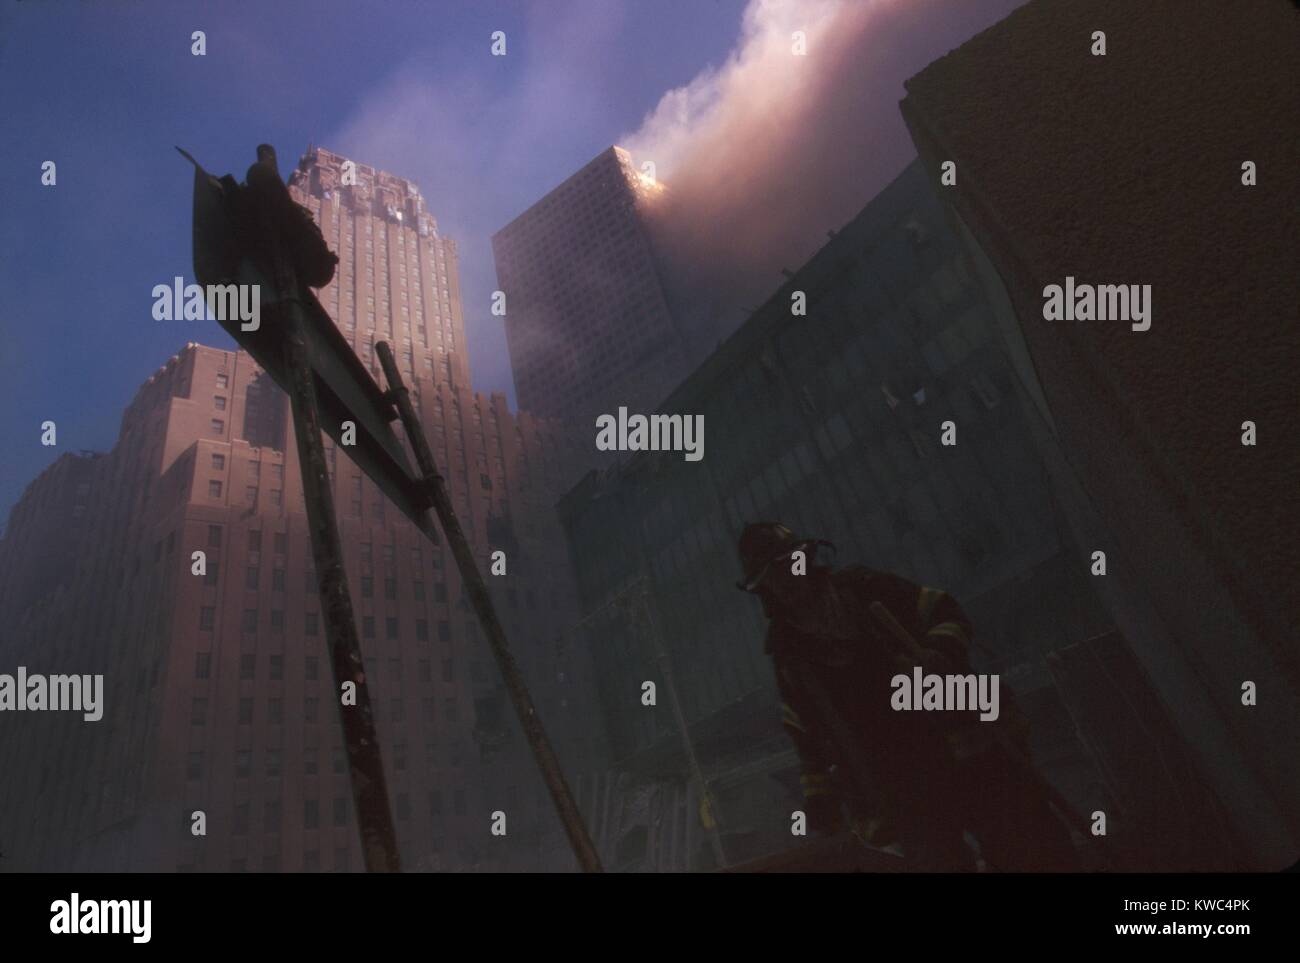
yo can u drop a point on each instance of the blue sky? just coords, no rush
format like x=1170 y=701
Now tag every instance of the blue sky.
x=769 y=150
x=106 y=90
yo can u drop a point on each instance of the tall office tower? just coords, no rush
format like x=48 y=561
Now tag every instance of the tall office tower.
x=1152 y=444
x=834 y=428
x=219 y=696
x=587 y=315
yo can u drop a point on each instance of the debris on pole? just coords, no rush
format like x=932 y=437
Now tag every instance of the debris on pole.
x=365 y=763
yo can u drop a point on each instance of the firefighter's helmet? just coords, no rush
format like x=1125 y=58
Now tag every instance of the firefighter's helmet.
x=761 y=545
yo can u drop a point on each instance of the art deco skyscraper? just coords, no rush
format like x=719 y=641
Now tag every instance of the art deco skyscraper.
x=397 y=278
x=218 y=696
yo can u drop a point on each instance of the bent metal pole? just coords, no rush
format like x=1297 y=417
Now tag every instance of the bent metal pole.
x=360 y=737
x=570 y=816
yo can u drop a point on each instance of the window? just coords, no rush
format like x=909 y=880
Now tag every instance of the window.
x=214 y=489
x=218 y=462
x=223 y=381
x=312 y=623
x=311 y=709
x=243 y=763
x=277 y=498
x=313 y=668
x=275 y=710
x=281 y=540
x=439 y=591
x=214 y=536
x=210 y=572
x=390 y=589
x=250 y=493
x=277 y=620
x=219 y=403
x=444 y=631
x=390 y=628
x=367 y=586
x=255 y=540
x=277 y=580
x=207 y=616
x=247 y=666
x=218 y=426
x=273 y=762
x=246 y=711
x=422 y=630
x=198 y=711
x=340 y=811
x=311 y=761
x=203 y=665
x=367 y=626
x=448 y=670
x=194 y=766
x=417 y=589
x=271 y=819
x=241 y=819
x=251 y=578
x=277 y=667
x=310 y=813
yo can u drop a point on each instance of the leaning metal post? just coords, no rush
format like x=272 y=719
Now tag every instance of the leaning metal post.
x=365 y=763
x=666 y=668
x=487 y=616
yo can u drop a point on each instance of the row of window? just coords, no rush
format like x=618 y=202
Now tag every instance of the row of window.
x=248 y=668
x=276 y=495
x=274 y=761
x=311 y=623
x=280 y=546
x=272 y=814
x=254 y=467
x=311 y=710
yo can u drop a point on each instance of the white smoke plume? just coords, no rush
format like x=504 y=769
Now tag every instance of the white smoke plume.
x=764 y=154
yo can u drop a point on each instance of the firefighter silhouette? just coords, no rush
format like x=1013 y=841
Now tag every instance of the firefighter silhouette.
x=922 y=779
x=299 y=237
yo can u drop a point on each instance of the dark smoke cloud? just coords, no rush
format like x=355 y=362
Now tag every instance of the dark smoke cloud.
x=766 y=153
